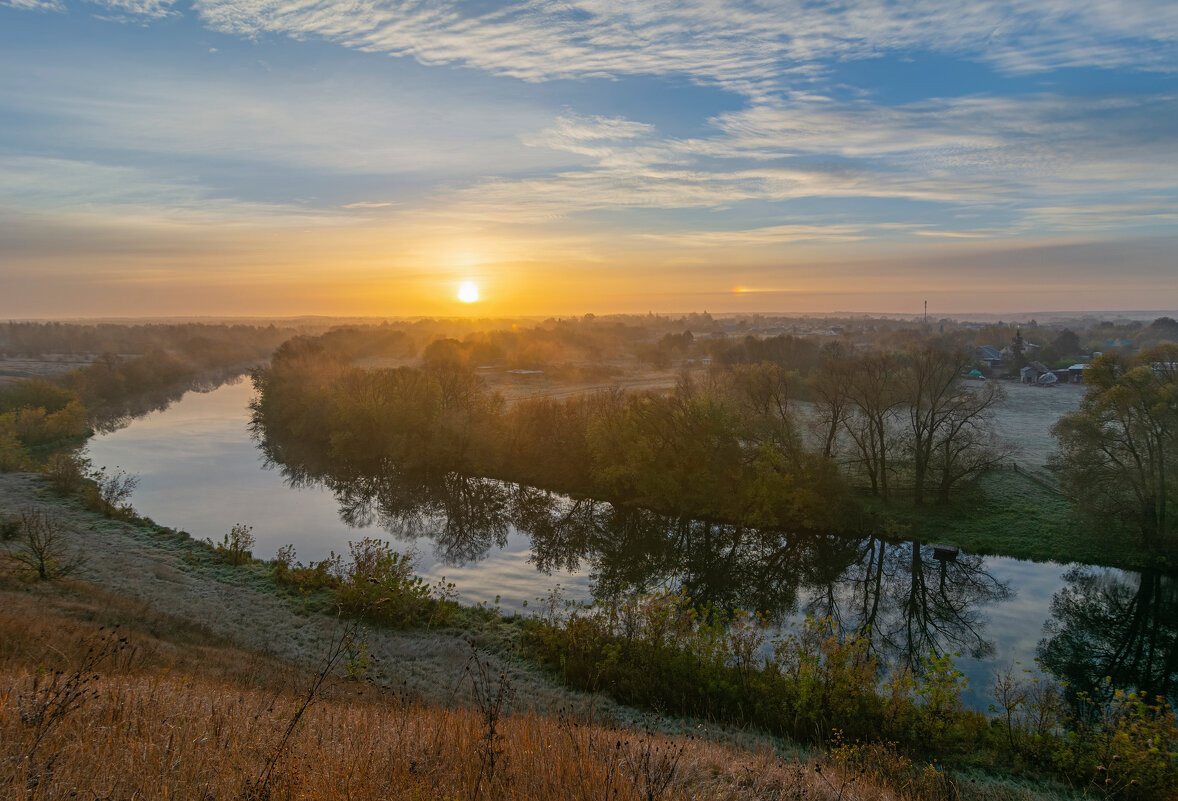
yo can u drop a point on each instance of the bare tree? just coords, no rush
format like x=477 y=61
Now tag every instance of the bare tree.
x=944 y=417
x=874 y=390
x=42 y=547
x=831 y=388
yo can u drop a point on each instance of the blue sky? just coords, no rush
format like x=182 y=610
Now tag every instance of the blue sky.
x=365 y=156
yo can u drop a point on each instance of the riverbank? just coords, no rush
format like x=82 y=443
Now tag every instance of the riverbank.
x=148 y=674
x=197 y=615
x=189 y=670
x=176 y=578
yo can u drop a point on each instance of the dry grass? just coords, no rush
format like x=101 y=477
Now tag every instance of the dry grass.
x=166 y=735
x=172 y=713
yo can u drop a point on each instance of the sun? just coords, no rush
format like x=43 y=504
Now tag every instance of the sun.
x=468 y=292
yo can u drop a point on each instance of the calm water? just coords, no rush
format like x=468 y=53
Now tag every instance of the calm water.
x=201 y=471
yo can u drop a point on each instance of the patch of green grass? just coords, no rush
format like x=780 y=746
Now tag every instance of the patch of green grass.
x=1007 y=514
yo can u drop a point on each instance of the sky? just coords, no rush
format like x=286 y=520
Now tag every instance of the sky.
x=369 y=157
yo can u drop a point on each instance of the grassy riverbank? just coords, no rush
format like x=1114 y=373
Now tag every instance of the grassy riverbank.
x=221 y=653
x=245 y=648
x=1009 y=513
x=106 y=697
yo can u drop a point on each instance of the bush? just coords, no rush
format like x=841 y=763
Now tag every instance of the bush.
x=379 y=585
x=13 y=456
x=235 y=547
x=1125 y=747
x=114 y=491
x=66 y=472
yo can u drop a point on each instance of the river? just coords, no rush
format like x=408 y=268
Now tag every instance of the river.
x=501 y=544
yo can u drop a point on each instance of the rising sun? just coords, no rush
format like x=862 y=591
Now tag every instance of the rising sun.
x=468 y=292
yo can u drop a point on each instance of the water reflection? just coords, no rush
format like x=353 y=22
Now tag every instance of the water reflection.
x=912 y=604
x=907 y=603
x=1115 y=624
x=119 y=414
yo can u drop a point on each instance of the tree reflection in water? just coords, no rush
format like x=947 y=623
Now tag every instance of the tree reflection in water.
x=906 y=603
x=1114 y=624
x=910 y=605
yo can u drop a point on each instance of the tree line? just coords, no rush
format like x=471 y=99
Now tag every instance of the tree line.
x=38 y=415
x=753 y=443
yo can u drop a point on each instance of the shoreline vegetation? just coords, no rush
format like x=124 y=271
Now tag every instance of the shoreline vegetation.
x=908 y=453
x=907 y=736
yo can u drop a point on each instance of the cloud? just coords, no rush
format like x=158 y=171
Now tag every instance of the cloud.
x=769 y=235
x=315 y=118
x=995 y=157
x=135 y=10
x=90 y=190
x=34 y=5
x=747 y=46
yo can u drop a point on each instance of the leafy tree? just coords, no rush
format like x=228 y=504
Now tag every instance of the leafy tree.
x=1118 y=451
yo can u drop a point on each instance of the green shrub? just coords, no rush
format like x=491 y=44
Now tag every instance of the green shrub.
x=1125 y=747
x=235 y=547
x=378 y=584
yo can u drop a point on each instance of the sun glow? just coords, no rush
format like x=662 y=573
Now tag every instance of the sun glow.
x=468 y=292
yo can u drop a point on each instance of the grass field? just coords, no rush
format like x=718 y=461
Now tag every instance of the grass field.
x=1026 y=416
x=1007 y=514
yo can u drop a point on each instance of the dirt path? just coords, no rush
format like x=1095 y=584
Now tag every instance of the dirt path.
x=152 y=565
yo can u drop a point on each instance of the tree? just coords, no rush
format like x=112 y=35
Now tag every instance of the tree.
x=830 y=386
x=42 y=548
x=1118 y=450
x=875 y=398
x=947 y=429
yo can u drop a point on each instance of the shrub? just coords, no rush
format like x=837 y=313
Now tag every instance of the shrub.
x=66 y=472
x=235 y=547
x=379 y=585
x=305 y=579
x=376 y=585
x=13 y=456
x=114 y=490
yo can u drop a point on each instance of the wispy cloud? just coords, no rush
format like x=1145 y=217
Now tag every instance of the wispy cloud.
x=135 y=10
x=747 y=46
x=999 y=155
x=769 y=235
x=312 y=119
x=68 y=187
